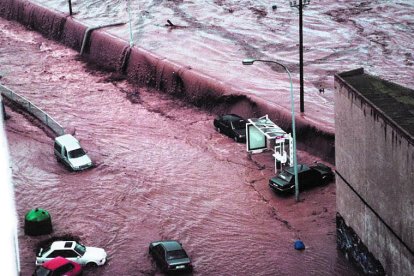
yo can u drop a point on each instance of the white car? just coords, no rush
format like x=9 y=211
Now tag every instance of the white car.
x=69 y=151
x=71 y=250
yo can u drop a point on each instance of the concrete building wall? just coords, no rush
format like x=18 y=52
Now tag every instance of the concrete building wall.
x=376 y=159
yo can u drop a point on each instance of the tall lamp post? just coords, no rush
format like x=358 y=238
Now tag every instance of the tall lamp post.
x=295 y=167
x=299 y=4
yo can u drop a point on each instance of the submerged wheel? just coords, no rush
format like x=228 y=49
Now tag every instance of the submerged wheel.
x=91 y=265
x=219 y=130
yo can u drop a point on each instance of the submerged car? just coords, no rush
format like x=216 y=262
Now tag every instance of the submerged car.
x=231 y=125
x=73 y=251
x=68 y=150
x=170 y=256
x=58 y=266
x=308 y=176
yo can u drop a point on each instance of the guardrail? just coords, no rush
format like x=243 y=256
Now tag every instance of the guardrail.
x=33 y=110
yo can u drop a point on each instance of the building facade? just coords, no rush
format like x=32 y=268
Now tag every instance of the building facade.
x=374 y=156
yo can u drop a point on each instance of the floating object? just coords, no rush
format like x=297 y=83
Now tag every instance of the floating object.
x=299 y=245
x=37 y=222
x=169 y=23
x=274 y=7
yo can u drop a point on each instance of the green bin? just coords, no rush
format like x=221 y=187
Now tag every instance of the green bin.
x=37 y=222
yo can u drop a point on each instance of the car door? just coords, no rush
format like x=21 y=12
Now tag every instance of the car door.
x=54 y=254
x=232 y=132
x=157 y=253
x=65 y=156
x=162 y=257
x=222 y=124
x=226 y=126
x=316 y=178
x=304 y=179
x=65 y=269
x=309 y=179
x=71 y=255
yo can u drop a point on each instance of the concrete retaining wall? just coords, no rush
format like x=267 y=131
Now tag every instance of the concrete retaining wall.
x=144 y=68
x=375 y=193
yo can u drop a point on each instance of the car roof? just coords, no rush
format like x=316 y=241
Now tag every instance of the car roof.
x=300 y=168
x=232 y=117
x=68 y=141
x=55 y=263
x=63 y=244
x=170 y=245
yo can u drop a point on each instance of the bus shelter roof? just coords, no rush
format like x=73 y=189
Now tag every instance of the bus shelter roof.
x=268 y=128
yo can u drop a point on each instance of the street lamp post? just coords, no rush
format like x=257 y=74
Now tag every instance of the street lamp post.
x=293 y=3
x=295 y=167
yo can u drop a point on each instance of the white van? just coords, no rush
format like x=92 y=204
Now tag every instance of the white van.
x=69 y=151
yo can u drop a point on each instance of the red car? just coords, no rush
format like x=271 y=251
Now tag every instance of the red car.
x=58 y=266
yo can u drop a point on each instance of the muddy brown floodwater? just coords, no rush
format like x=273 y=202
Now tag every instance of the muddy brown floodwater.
x=162 y=172
x=213 y=36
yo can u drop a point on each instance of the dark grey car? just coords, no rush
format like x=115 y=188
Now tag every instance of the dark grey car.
x=231 y=125
x=170 y=256
x=308 y=176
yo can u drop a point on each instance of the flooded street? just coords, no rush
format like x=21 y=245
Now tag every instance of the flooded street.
x=213 y=37
x=162 y=172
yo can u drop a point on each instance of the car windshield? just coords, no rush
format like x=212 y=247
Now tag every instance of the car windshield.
x=80 y=249
x=239 y=124
x=76 y=153
x=41 y=271
x=176 y=254
x=44 y=250
x=285 y=176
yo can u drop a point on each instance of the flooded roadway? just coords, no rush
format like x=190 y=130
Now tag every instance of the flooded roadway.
x=213 y=37
x=162 y=173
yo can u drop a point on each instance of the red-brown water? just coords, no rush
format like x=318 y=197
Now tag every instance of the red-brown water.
x=162 y=173
x=214 y=36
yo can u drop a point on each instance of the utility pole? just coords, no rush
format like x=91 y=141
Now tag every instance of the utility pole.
x=70 y=7
x=131 y=40
x=293 y=3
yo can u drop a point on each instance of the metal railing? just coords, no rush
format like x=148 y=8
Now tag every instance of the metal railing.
x=33 y=110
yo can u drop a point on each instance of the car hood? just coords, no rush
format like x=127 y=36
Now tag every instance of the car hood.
x=80 y=161
x=241 y=132
x=94 y=253
x=179 y=261
x=280 y=182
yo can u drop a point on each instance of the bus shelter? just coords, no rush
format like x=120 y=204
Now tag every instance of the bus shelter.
x=262 y=134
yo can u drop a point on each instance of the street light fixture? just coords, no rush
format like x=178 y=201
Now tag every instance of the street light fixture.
x=299 y=4
x=250 y=61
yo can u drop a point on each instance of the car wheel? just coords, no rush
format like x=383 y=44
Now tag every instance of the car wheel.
x=91 y=265
x=236 y=139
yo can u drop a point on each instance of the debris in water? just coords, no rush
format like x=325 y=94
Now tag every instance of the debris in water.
x=299 y=245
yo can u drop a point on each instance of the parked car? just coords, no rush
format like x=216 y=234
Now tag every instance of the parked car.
x=73 y=251
x=308 y=176
x=231 y=125
x=170 y=256
x=69 y=151
x=58 y=266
